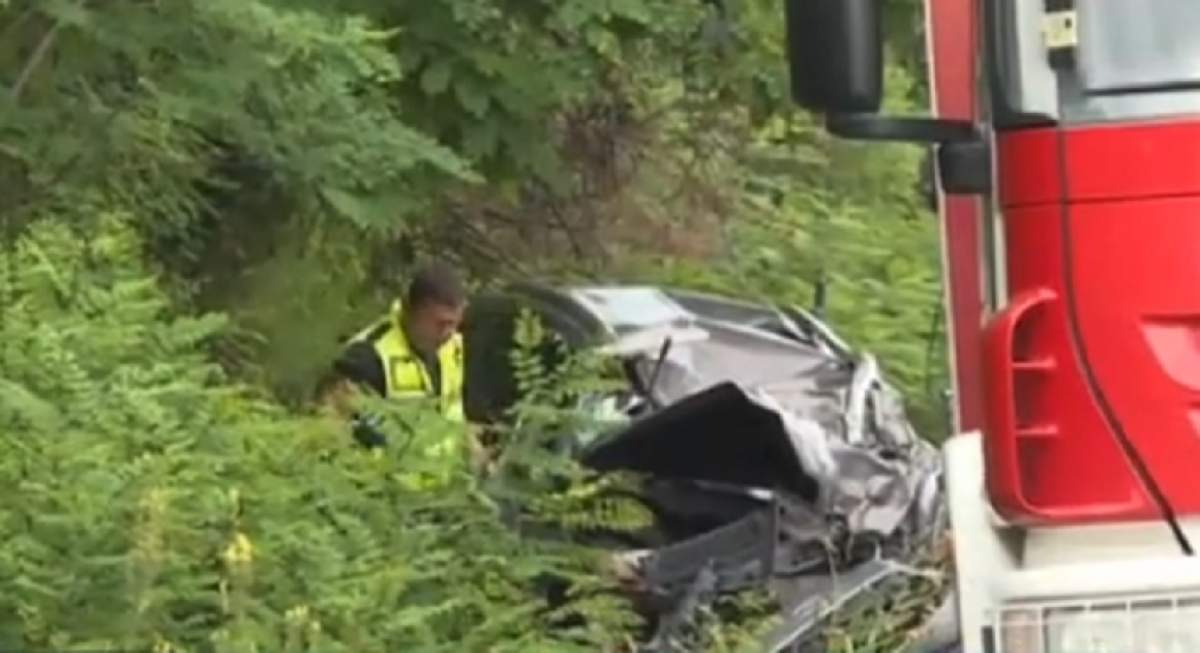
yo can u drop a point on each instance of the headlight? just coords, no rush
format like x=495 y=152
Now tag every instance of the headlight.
x=1021 y=631
x=1088 y=631
x=1161 y=626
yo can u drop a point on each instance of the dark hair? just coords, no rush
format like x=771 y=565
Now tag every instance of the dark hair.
x=436 y=283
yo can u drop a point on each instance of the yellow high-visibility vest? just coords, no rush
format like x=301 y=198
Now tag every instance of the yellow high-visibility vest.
x=405 y=373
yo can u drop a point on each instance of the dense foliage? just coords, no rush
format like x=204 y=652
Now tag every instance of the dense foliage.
x=150 y=502
x=199 y=197
x=288 y=159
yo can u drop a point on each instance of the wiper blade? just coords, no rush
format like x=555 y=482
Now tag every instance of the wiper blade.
x=658 y=365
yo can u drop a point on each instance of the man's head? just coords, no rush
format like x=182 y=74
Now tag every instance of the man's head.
x=433 y=308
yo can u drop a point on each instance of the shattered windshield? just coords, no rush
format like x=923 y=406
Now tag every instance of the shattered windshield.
x=631 y=309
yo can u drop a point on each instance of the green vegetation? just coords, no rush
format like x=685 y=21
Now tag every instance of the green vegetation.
x=149 y=502
x=199 y=198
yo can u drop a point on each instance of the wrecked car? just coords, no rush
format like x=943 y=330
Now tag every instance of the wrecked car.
x=778 y=457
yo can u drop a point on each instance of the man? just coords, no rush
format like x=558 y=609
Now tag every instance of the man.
x=415 y=351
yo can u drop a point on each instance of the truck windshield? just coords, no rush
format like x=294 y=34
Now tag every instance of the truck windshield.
x=1141 y=45
x=1135 y=60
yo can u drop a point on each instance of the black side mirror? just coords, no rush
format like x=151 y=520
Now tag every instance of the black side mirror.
x=835 y=57
x=835 y=54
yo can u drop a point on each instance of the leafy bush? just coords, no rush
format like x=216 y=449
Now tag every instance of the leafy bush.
x=149 y=502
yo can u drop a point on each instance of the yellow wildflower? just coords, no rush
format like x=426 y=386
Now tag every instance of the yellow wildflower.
x=240 y=550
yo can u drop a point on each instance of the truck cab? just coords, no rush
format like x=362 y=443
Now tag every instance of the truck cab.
x=1067 y=138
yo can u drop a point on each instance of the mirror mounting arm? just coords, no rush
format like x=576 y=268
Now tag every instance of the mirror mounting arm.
x=963 y=154
x=872 y=127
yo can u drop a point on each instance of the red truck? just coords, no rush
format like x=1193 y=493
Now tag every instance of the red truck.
x=1067 y=141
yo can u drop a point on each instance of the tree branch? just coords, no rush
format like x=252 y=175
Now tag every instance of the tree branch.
x=35 y=60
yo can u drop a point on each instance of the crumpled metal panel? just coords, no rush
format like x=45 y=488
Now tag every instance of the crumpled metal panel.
x=770 y=405
x=717 y=435
x=747 y=399
x=836 y=423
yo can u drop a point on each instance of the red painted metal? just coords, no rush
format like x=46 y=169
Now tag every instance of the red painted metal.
x=1115 y=162
x=953 y=37
x=1135 y=237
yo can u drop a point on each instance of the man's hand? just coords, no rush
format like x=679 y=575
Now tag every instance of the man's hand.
x=626 y=568
x=483 y=460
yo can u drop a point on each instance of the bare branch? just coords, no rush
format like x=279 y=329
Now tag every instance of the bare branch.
x=35 y=59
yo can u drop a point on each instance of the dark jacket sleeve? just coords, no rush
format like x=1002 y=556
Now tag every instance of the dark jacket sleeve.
x=360 y=364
